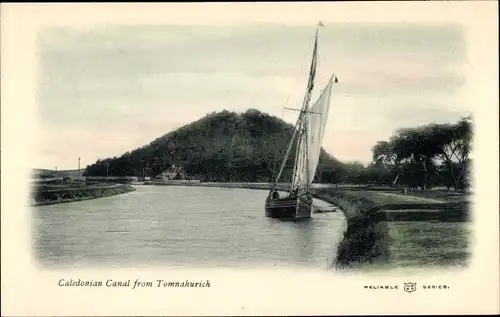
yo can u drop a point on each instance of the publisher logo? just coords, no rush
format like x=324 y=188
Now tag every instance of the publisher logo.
x=410 y=287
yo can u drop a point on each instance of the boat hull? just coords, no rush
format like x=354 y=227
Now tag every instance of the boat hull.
x=289 y=208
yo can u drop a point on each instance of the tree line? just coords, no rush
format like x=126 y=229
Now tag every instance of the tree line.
x=249 y=147
x=421 y=158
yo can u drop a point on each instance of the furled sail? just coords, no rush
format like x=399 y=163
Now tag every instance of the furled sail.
x=300 y=178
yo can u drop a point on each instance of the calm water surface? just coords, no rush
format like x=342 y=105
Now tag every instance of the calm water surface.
x=189 y=226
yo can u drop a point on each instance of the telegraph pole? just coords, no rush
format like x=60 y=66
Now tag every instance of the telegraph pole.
x=107 y=170
x=79 y=175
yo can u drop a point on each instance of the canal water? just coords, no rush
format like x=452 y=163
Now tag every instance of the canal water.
x=181 y=226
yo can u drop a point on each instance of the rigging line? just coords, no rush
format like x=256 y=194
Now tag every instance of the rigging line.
x=300 y=158
x=287 y=154
x=304 y=68
x=310 y=49
x=300 y=117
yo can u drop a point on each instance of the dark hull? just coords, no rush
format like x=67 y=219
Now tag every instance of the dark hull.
x=289 y=208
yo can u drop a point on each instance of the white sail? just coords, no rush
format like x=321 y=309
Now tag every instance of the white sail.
x=309 y=131
x=310 y=140
x=317 y=119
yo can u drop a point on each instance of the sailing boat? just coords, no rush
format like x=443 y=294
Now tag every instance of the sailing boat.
x=308 y=134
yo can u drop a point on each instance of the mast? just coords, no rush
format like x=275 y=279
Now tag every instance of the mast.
x=306 y=153
x=300 y=125
x=305 y=106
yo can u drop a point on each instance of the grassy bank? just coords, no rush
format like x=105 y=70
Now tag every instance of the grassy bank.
x=391 y=229
x=63 y=193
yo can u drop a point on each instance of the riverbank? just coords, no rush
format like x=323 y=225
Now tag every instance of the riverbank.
x=56 y=194
x=397 y=206
x=389 y=229
x=280 y=186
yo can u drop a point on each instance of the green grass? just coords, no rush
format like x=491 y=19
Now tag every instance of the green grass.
x=429 y=243
x=386 y=198
x=371 y=239
x=449 y=196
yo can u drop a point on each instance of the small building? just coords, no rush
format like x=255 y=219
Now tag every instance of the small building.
x=173 y=172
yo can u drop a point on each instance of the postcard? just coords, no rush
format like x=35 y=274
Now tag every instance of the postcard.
x=334 y=158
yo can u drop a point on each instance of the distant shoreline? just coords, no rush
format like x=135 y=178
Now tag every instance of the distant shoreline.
x=280 y=186
x=54 y=195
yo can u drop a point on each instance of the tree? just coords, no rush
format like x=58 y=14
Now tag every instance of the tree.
x=453 y=142
x=421 y=155
x=383 y=153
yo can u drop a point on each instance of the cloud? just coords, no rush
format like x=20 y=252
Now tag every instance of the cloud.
x=112 y=89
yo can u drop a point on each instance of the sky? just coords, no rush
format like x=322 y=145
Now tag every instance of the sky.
x=104 y=91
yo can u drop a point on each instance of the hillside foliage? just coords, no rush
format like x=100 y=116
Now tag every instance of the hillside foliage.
x=250 y=146
x=220 y=147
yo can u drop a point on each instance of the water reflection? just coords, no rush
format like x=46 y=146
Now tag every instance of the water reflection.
x=304 y=239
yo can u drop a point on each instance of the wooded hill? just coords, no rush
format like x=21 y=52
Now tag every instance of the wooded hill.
x=249 y=147
x=220 y=147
